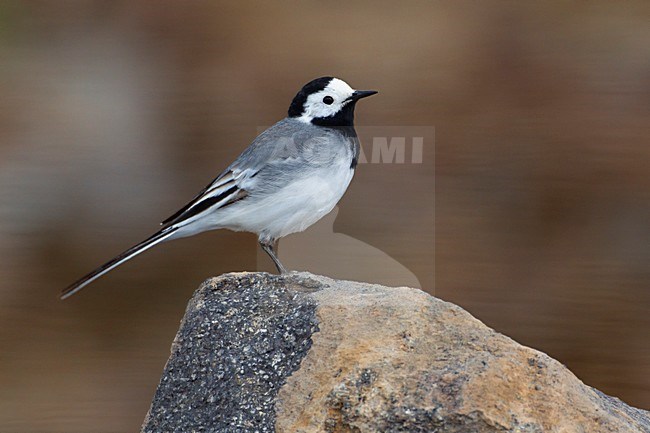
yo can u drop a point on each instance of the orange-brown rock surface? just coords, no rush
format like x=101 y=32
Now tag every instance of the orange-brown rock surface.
x=304 y=353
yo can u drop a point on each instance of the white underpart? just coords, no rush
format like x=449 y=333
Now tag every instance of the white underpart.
x=289 y=210
x=314 y=107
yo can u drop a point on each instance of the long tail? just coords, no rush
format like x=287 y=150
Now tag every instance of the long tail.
x=115 y=262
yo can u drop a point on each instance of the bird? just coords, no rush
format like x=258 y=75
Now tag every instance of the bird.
x=289 y=177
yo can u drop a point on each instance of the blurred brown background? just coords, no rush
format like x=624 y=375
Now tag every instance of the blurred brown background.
x=113 y=114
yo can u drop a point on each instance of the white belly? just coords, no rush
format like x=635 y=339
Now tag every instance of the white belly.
x=293 y=208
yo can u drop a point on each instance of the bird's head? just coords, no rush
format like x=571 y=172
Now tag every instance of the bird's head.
x=327 y=101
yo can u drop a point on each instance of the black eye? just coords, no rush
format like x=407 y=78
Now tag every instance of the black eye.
x=328 y=100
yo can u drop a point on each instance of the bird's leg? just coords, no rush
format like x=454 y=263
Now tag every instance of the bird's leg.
x=269 y=248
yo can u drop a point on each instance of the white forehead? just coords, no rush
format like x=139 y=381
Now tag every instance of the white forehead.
x=339 y=86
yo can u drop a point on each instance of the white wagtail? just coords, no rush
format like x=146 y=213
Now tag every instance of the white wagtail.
x=291 y=176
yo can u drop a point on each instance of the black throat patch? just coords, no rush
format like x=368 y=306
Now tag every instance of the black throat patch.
x=343 y=118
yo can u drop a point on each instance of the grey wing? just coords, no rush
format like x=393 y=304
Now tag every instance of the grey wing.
x=289 y=150
x=274 y=158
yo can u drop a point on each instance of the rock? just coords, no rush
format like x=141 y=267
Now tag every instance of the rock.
x=304 y=353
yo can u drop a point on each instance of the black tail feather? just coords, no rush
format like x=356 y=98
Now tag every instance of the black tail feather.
x=115 y=262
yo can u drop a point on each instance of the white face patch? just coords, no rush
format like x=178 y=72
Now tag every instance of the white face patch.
x=314 y=107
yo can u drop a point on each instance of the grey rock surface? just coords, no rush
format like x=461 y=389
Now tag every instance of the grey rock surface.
x=304 y=353
x=241 y=337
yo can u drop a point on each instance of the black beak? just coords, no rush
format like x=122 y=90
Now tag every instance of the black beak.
x=358 y=94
